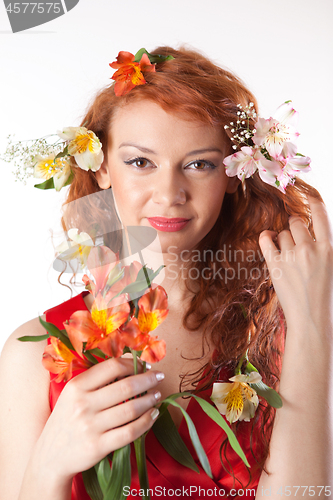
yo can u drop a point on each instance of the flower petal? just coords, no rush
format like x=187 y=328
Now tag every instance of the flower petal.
x=154 y=351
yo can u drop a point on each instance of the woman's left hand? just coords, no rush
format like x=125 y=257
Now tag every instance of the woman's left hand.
x=301 y=270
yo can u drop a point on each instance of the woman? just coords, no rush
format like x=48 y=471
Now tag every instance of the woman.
x=164 y=144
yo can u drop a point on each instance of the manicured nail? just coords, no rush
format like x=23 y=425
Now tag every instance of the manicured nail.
x=148 y=366
x=154 y=414
x=159 y=376
x=157 y=395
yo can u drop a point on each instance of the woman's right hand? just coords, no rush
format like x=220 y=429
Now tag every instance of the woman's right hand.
x=91 y=419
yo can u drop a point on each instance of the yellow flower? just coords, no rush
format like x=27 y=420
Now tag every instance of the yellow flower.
x=85 y=146
x=46 y=167
x=237 y=401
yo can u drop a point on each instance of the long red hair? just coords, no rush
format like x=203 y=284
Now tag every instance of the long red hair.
x=238 y=313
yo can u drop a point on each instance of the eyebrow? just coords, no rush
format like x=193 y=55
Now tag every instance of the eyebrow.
x=147 y=150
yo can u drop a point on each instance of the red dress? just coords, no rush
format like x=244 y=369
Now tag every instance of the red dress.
x=167 y=477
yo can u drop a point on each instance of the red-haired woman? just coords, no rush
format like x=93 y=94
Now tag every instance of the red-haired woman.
x=164 y=144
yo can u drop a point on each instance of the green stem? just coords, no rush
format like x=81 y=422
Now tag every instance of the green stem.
x=139 y=446
x=140 y=453
x=241 y=361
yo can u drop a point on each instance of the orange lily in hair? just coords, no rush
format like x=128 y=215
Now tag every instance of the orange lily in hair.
x=98 y=328
x=129 y=73
x=153 y=309
x=57 y=358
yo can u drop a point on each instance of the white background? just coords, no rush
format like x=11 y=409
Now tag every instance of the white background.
x=282 y=50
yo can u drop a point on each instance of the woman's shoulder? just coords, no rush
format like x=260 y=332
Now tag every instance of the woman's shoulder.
x=20 y=356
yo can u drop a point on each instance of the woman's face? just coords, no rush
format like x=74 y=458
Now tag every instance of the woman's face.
x=163 y=167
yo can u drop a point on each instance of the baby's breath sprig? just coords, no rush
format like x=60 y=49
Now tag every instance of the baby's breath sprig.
x=240 y=129
x=22 y=154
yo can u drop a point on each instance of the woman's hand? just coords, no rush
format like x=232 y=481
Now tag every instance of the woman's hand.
x=90 y=419
x=301 y=269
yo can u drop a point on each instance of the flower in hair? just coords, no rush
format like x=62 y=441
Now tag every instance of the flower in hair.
x=130 y=69
x=47 y=159
x=50 y=167
x=85 y=146
x=269 y=148
x=129 y=73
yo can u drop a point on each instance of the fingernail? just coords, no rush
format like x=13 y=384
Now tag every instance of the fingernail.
x=154 y=414
x=159 y=376
x=157 y=395
x=148 y=366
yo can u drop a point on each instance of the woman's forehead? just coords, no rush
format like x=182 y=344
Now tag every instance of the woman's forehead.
x=147 y=120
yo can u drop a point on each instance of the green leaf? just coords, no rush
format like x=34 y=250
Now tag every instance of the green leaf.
x=115 y=275
x=169 y=437
x=212 y=412
x=90 y=357
x=33 y=338
x=141 y=281
x=266 y=392
x=49 y=184
x=154 y=59
x=194 y=438
x=141 y=462
x=137 y=286
x=103 y=470
x=151 y=274
x=96 y=352
x=55 y=332
x=120 y=474
x=62 y=153
x=91 y=484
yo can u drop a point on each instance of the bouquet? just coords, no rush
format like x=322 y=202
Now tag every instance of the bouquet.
x=127 y=307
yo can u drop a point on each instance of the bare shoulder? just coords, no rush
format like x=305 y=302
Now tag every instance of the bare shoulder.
x=21 y=362
x=23 y=353
x=24 y=404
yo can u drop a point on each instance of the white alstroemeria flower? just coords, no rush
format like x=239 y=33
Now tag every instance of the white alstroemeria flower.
x=244 y=163
x=237 y=400
x=77 y=247
x=85 y=146
x=46 y=167
x=275 y=132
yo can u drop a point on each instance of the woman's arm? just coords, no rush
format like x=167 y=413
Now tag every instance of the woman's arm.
x=43 y=451
x=24 y=405
x=301 y=448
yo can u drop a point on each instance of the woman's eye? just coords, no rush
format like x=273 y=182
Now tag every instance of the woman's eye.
x=140 y=163
x=202 y=165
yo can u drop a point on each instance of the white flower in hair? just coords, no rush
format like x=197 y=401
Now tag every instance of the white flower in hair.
x=85 y=146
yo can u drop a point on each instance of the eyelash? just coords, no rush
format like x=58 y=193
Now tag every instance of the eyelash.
x=210 y=164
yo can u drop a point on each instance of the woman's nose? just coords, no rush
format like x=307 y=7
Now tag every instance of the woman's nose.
x=169 y=188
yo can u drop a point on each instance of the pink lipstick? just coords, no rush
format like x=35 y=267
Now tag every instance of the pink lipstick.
x=168 y=224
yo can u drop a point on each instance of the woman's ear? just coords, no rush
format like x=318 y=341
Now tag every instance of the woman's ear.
x=232 y=185
x=103 y=175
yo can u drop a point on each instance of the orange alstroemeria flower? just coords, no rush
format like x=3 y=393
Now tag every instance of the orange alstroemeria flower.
x=129 y=73
x=153 y=309
x=98 y=328
x=57 y=358
x=153 y=350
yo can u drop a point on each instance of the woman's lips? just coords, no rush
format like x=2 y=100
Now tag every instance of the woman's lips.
x=168 y=224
